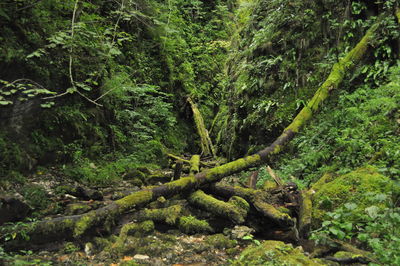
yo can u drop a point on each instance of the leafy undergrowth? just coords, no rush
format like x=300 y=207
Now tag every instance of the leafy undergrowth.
x=361 y=128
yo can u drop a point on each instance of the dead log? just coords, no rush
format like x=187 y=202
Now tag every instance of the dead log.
x=305 y=214
x=169 y=215
x=235 y=209
x=258 y=199
x=205 y=140
x=76 y=226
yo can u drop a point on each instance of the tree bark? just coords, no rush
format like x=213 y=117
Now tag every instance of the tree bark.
x=79 y=225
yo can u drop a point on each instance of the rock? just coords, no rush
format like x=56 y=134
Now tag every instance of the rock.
x=277 y=252
x=141 y=257
x=77 y=208
x=13 y=208
x=89 y=249
x=356 y=186
x=238 y=232
x=85 y=193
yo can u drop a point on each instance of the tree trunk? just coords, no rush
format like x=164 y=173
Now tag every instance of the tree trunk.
x=205 y=140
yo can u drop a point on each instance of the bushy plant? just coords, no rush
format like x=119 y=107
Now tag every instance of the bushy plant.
x=375 y=227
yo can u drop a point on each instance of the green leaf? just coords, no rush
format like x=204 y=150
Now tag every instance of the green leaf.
x=347 y=226
x=5 y=102
x=350 y=206
x=372 y=211
x=363 y=237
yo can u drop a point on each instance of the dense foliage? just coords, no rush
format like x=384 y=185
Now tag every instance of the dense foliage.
x=116 y=76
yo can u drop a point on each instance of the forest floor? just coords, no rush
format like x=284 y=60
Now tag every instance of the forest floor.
x=165 y=245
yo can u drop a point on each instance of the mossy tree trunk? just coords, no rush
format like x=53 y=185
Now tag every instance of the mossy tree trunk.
x=205 y=140
x=77 y=226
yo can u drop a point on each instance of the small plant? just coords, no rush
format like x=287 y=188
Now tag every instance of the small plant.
x=375 y=227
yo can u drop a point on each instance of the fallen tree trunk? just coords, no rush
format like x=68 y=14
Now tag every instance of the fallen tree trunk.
x=77 y=226
x=235 y=209
x=205 y=140
x=258 y=199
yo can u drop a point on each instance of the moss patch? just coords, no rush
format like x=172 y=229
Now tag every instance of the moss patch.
x=355 y=186
x=220 y=241
x=192 y=225
x=274 y=253
x=236 y=209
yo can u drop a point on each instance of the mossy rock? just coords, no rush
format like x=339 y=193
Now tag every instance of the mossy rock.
x=134 y=174
x=274 y=253
x=77 y=208
x=220 y=241
x=192 y=225
x=356 y=186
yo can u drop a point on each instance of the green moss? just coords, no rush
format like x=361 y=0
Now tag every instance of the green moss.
x=142 y=228
x=354 y=187
x=300 y=119
x=192 y=225
x=181 y=183
x=268 y=185
x=274 y=253
x=194 y=164
x=168 y=215
x=84 y=223
x=272 y=212
x=232 y=167
x=135 y=199
x=134 y=174
x=220 y=241
x=205 y=141
x=346 y=254
x=305 y=212
x=77 y=208
x=327 y=177
x=242 y=205
x=224 y=209
x=70 y=247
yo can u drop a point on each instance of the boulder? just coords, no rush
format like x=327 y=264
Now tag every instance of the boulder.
x=13 y=208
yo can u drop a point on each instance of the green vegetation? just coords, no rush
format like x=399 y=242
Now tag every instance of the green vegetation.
x=98 y=93
x=273 y=253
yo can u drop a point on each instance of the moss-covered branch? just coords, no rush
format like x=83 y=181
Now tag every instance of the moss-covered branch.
x=259 y=200
x=195 y=164
x=235 y=209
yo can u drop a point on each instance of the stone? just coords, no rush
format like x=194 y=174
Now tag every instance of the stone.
x=13 y=208
x=141 y=257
